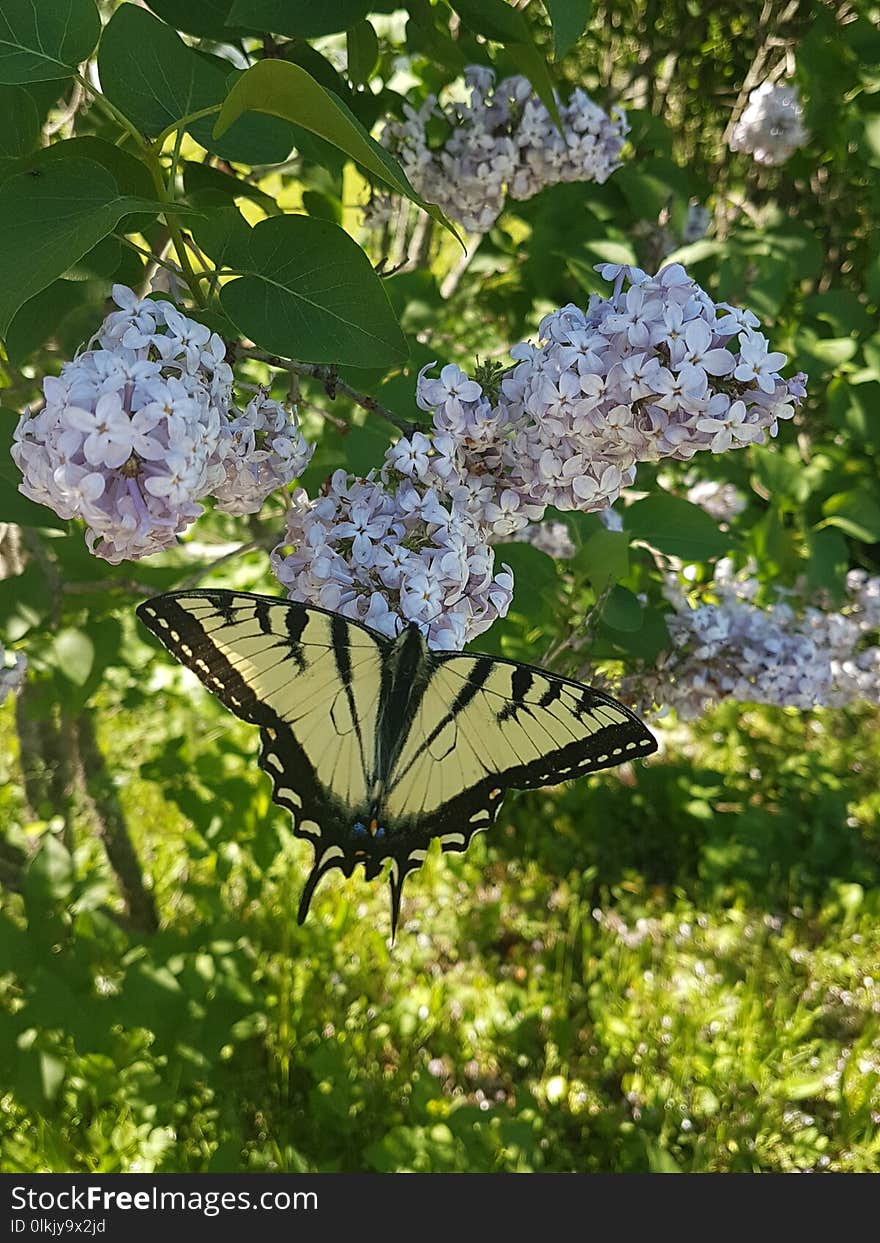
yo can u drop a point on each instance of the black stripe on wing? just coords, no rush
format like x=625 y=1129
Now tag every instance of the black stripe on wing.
x=524 y=693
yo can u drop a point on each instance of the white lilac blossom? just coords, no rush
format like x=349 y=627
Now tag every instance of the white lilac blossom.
x=265 y=451
x=11 y=675
x=391 y=550
x=553 y=538
x=656 y=370
x=723 y=501
x=770 y=127
x=785 y=655
x=501 y=141
x=136 y=430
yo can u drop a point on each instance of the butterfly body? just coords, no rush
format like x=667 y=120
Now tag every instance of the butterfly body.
x=377 y=746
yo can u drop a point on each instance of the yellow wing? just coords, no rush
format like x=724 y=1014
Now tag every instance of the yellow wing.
x=307 y=677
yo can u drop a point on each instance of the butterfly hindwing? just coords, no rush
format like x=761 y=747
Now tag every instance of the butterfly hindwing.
x=486 y=725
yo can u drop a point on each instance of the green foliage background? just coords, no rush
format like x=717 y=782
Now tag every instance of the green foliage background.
x=668 y=968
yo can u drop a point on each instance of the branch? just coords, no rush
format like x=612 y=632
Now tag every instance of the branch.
x=333 y=386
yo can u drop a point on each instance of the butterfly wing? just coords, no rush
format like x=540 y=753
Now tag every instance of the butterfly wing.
x=309 y=679
x=484 y=726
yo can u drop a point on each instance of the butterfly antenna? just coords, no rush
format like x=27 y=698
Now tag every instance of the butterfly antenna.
x=317 y=872
x=396 y=880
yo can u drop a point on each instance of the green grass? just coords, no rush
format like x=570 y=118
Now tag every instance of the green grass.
x=667 y=969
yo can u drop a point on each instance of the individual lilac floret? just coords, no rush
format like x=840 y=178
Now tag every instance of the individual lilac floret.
x=387 y=551
x=501 y=141
x=129 y=435
x=11 y=675
x=770 y=128
x=265 y=450
x=786 y=656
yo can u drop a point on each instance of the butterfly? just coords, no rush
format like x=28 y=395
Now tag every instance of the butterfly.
x=376 y=745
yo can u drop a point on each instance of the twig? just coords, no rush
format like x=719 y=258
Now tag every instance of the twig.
x=77 y=95
x=451 y=280
x=251 y=546
x=45 y=757
x=333 y=386
x=112 y=828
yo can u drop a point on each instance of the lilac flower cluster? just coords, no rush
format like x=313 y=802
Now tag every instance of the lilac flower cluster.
x=502 y=141
x=735 y=649
x=391 y=550
x=770 y=128
x=656 y=370
x=11 y=675
x=137 y=430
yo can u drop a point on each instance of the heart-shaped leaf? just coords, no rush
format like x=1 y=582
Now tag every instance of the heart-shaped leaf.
x=307 y=291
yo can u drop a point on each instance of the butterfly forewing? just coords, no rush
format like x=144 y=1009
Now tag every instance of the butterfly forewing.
x=307 y=677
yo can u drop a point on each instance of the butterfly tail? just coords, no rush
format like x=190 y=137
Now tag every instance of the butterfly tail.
x=318 y=872
x=396 y=879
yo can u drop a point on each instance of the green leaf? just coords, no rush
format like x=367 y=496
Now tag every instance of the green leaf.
x=204 y=183
x=569 y=20
x=52 y=1072
x=495 y=19
x=646 y=195
x=363 y=52
x=41 y=40
x=304 y=18
x=646 y=643
x=224 y=235
x=36 y=321
x=603 y=558
x=781 y=476
x=25 y=513
x=49 y=221
x=622 y=610
x=284 y=90
x=829 y=561
x=364 y=447
x=322 y=205
x=20 y=131
x=130 y=174
x=535 y=579
x=676 y=527
x=856 y=513
x=498 y=21
x=72 y=653
x=309 y=292
x=149 y=73
x=50 y=875
x=205 y=18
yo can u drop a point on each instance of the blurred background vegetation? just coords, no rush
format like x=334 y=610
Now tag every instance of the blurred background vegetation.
x=671 y=967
